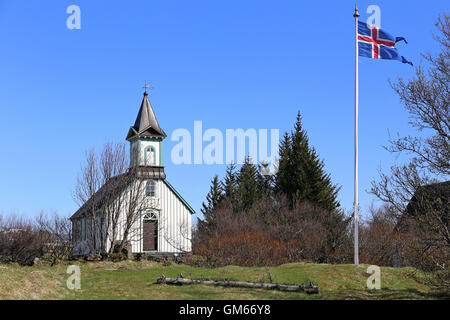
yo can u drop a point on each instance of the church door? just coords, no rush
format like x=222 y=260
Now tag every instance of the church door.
x=150 y=240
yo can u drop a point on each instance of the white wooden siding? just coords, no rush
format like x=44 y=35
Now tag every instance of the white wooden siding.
x=174 y=222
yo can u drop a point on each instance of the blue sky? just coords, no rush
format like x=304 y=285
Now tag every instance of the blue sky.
x=231 y=64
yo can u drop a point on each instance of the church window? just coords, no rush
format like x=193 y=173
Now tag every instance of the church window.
x=83 y=229
x=134 y=155
x=150 y=156
x=150 y=215
x=80 y=230
x=150 y=188
x=89 y=229
x=100 y=228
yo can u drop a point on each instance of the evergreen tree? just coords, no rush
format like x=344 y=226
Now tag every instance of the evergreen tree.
x=266 y=181
x=248 y=186
x=301 y=175
x=230 y=181
x=282 y=178
x=213 y=199
x=322 y=190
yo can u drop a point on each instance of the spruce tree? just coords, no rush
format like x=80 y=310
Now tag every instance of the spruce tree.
x=301 y=175
x=230 y=181
x=322 y=190
x=248 y=186
x=282 y=178
x=213 y=199
x=265 y=181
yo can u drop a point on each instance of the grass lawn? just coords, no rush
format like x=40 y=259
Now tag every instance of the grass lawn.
x=137 y=280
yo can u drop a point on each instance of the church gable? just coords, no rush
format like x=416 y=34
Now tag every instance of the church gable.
x=178 y=196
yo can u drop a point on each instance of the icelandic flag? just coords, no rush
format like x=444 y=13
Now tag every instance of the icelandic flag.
x=377 y=44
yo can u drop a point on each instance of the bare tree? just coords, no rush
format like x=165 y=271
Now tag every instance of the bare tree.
x=135 y=205
x=398 y=187
x=426 y=98
x=88 y=183
x=56 y=232
x=113 y=166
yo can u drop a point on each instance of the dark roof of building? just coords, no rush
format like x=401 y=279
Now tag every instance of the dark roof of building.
x=146 y=124
x=114 y=186
x=434 y=197
x=111 y=189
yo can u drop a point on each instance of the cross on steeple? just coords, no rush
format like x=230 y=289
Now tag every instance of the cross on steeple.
x=147 y=86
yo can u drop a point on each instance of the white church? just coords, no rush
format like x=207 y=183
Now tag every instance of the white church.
x=162 y=221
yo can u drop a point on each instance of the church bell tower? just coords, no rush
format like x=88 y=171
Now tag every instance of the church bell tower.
x=146 y=137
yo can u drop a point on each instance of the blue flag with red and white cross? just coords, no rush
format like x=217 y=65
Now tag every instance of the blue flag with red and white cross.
x=375 y=43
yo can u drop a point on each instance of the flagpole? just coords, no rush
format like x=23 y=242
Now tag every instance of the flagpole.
x=355 y=200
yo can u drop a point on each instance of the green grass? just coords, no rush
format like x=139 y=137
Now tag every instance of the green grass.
x=137 y=280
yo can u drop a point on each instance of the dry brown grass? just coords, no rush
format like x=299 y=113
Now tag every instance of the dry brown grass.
x=129 y=265
x=24 y=283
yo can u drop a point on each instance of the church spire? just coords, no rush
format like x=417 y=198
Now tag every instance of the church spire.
x=146 y=124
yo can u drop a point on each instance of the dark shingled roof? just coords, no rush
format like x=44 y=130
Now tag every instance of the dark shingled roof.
x=435 y=197
x=111 y=189
x=146 y=124
x=114 y=186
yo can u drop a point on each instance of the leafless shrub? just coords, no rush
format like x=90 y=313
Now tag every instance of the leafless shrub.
x=270 y=233
x=20 y=241
x=380 y=243
x=57 y=236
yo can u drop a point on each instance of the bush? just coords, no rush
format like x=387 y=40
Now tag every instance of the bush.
x=45 y=238
x=196 y=261
x=271 y=233
x=380 y=243
x=20 y=242
x=244 y=249
x=58 y=236
x=124 y=249
x=116 y=257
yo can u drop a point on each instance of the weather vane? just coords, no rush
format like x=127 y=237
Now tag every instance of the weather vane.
x=147 y=86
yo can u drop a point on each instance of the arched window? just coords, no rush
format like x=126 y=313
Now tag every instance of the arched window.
x=133 y=154
x=150 y=215
x=150 y=156
x=150 y=188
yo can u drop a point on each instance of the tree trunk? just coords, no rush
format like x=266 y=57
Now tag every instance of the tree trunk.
x=241 y=284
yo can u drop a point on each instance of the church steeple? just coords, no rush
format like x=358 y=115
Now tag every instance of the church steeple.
x=146 y=137
x=146 y=124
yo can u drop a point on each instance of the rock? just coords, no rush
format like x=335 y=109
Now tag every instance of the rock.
x=93 y=257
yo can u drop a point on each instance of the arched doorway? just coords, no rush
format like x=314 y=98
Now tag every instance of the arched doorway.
x=150 y=232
